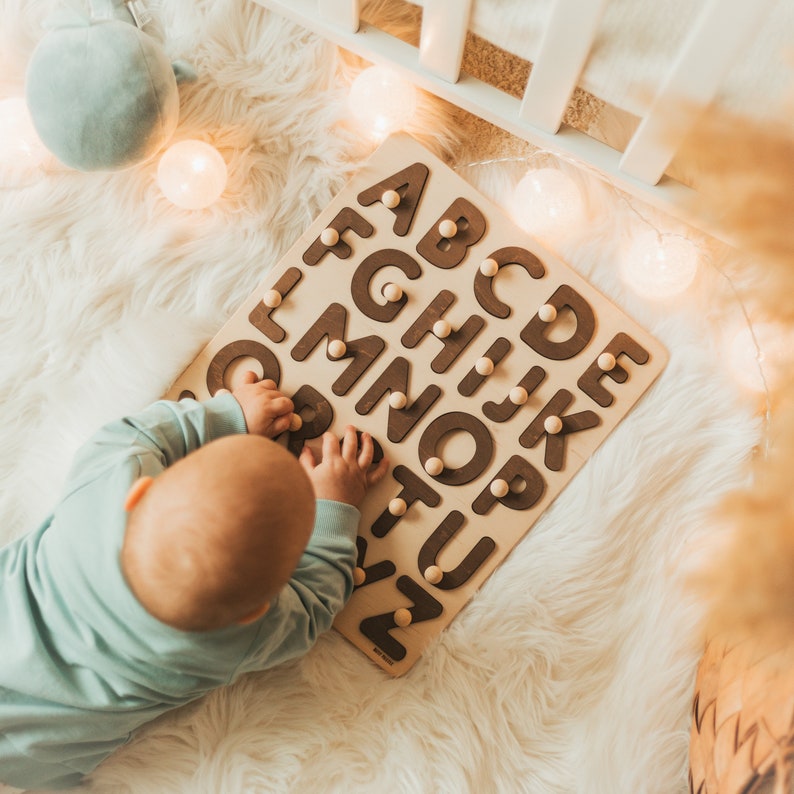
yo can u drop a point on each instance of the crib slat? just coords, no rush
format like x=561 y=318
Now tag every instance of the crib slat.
x=501 y=109
x=714 y=42
x=344 y=13
x=444 y=27
x=566 y=44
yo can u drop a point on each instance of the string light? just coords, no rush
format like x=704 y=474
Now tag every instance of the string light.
x=658 y=266
x=381 y=101
x=192 y=174
x=759 y=355
x=547 y=202
x=20 y=146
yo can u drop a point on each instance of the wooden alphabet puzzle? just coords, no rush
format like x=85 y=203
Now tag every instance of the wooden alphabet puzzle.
x=486 y=369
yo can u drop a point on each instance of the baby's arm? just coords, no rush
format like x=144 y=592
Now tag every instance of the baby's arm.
x=323 y=580
x=324 y=576
x=165 y=431
x=170 y=430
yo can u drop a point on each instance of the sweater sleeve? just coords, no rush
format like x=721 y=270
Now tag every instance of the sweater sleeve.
x=320 y=586
x=165 y=432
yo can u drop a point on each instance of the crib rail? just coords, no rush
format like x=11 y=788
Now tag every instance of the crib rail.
x=720 y=33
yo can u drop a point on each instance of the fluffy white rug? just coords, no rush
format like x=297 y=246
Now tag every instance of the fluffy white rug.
x=572 y=669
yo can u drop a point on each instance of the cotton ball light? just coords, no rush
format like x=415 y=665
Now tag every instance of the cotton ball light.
x=659 y=266
x=547 y=202
x=381 y=101
x=20 y=145
x=192 y=174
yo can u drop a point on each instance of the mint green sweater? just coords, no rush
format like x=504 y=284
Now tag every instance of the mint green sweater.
x=82 y=664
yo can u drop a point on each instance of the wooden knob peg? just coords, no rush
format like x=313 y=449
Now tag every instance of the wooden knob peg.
x=547 y=313
x=402 y=617
x=552 y=425
x=398 y=400
x=489 y=267
x=434 y=466
x=329 y=236
x=390 y=199
x=359 y=576
x=518 y=395
x=398 y=506
x=272 y=298
x=606 y=362
x=295 y=423
x=392 y=292
x=499 y=488
x=442 y=329
x=336 y=348
x=447 y=228
x=484 y=366
x=433 y=574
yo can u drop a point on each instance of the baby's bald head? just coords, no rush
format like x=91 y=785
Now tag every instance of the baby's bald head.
x=219 y=533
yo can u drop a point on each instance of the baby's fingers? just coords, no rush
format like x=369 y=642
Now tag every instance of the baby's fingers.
x=366 y=452
x=278 y=406
x=378 y=473
x=350 y=444
x=306 y=459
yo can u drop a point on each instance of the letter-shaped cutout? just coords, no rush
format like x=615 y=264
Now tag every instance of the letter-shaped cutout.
x=516 y=469
x=590 y=381
x=483 y=285
x=347 y=218
x=401 y=420
x=413 y=489
x=331 y=324
x=260 y=315
x=471 y=562
x=447 y=252
x=501 y=412
x=307 y=400
x=473 y=380
x=451 y=422
x=555 y=442
x=359 y=284
x=376 y=629
x=455 y=343
x=409 y=184
x=375 y=572
x=534 y=334
x=238 y=349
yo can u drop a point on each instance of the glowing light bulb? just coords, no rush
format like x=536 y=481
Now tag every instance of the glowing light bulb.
x=659 y=267
x=381 y=101
x=547 y=202
x=192 y=174
x=20 y=146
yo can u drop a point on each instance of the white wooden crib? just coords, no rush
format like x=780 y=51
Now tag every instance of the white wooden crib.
x=586 y=43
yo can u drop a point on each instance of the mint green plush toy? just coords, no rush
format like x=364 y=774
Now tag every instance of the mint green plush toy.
x=101 y=91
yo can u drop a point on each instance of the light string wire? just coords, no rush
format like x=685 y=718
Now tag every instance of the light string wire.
x=706 y=256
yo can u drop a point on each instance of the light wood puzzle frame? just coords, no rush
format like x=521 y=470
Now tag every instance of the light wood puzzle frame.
x=333 y=290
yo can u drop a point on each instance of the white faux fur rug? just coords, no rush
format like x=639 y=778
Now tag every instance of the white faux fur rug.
x=572 y=669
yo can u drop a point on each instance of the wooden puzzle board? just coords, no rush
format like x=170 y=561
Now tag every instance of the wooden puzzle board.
x=525 y=428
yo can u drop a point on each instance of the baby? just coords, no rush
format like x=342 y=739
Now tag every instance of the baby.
x=189 y=548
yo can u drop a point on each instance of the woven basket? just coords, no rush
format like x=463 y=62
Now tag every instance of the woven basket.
x=742 y=738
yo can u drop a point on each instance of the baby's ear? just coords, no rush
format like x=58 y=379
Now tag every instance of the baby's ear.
x=136 y=492
x=184 y=72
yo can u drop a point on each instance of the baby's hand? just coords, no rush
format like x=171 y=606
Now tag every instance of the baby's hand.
x=266 y=410
x=343 y=474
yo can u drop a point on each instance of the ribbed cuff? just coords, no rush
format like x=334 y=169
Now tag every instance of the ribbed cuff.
x=224 y=416
x=336 y=519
